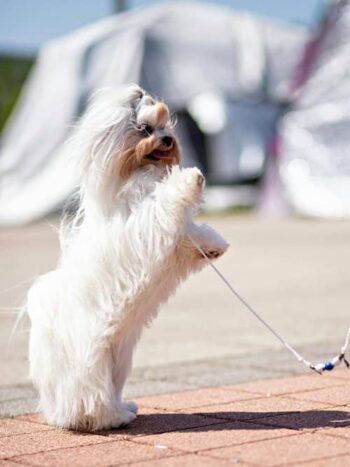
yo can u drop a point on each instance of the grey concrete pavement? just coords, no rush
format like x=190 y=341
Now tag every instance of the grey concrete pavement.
x=294 y=272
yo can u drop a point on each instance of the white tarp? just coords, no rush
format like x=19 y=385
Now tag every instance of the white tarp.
x=175 y=51
x=315 y=133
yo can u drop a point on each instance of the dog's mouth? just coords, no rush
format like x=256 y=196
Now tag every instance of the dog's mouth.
x=158 y=155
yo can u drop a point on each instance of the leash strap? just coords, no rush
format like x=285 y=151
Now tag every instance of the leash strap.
x=319 y=367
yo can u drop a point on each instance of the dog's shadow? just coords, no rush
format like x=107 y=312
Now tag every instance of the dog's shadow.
x=202 y=421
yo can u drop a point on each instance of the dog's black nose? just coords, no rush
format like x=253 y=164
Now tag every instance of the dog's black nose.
x=167 y=141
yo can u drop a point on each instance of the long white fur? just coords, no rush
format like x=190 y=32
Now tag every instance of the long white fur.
x=122 y=256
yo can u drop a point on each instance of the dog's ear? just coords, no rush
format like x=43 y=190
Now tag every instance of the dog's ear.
x=126 y=163
x=145 y=146
x=133 y=157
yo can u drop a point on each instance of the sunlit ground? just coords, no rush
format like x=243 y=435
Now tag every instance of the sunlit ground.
x=294 y=271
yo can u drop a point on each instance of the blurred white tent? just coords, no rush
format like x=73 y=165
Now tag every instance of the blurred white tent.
x=314 y=160
x=190 y=55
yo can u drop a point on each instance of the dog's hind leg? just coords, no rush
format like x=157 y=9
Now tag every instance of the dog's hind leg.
x=123 y=353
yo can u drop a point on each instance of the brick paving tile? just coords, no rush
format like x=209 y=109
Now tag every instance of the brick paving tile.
x=207 y=427
x=333 y=395
x=45 y=440
x=33 y=418
x=213 y=436
x=6 y=463
x=120 y=452
x=341 y=423
x=257 y=408
x=335 y=420
x=342 y=432
x=290 y=385
x=286 y=450
x=186 y=460
x=188 y=399
x=339 y=461
x=342 y=373
x=14 y=426
x=152 y=421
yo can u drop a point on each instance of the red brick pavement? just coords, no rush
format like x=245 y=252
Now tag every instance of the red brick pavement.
x=303 y=420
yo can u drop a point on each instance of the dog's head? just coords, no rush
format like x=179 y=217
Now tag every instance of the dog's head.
x=126 y=130
x=150 y=139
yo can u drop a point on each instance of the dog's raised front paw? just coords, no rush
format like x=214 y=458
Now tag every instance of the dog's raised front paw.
x=192 y=181
x=214 y=253
x=186 y=184
x=193 y=177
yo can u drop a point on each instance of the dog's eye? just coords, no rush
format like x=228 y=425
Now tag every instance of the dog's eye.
x=146 y=129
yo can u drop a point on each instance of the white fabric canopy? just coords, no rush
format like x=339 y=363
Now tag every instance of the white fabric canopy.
x=175 y=51
x=315 y=133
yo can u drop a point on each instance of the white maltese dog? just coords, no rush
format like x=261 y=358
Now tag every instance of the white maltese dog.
x=123 y=255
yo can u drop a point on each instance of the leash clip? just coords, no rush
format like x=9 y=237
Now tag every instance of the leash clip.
x=330 y=365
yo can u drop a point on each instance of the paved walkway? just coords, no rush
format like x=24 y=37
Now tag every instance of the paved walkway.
x=294 y=271
x=303 y=420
